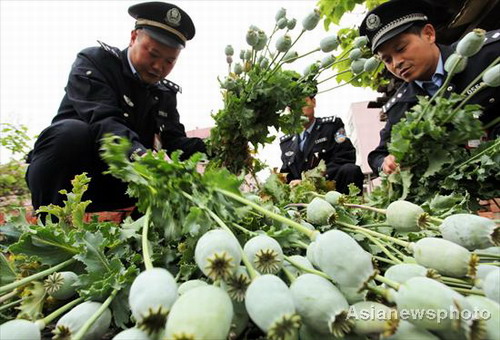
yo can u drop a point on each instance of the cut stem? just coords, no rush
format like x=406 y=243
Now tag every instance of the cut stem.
x=42 y=323
x=377 y=234
x=307 y=270
x=36 y=276
x=390 y=283
x=380 y=211
x=310 y=233
x=146 y=257
x=86 y=326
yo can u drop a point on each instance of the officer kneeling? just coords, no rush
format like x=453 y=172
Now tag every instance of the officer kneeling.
x=322 y=139
x=123 y=93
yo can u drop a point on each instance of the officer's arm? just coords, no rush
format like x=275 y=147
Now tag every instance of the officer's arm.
x=376 y=157
x=97 y=103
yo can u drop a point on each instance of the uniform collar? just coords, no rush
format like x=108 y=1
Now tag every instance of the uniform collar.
x=437 y=77
x=309 y=129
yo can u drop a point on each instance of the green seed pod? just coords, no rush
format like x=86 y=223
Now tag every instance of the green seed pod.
x=453 y=59
x=491 y=312
x=290 y=56
x=320 y=212
x=151 y=296
x=348 y=271
x=492 y=76
x=132 y=334
x=18 y=329
x=360 y=42
x=404 y=271
x=406 y=330
x=291 y=24
x=264 y=253
x=327 y=61
x=320 y=305
x=203 y=313
x=248 y=55
x=355 y=54
x=217 y=254
x=311 y=20
x=405 y=216
x=283 y=43
x=282 y=23
x=352 y=294
x=264 y=63
x=358 y=66
x=269 y=304
x=281 y=13
x=429 y=297
x=188 y=285
x=301 y=260
x=70 y=323
x=470 y=231
x=371 y=64
x=262 y=41
x=229 y=50
x=334 y=197
x=60 y=285
x=491 y=286
x=311 y=253
x=236 y=285
x=229 y=84
x=446 y=257
x=482 y=271
x=373 y=318
x=471 y=43
x=252 y=37
x=328 y=44
x=242 y=54
x=238 y=69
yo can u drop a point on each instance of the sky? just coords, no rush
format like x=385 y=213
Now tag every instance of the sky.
x=39 y=41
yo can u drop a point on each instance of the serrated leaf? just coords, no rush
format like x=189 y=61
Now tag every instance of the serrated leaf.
x=32 y=305
x=7 y=271
x=45 y=244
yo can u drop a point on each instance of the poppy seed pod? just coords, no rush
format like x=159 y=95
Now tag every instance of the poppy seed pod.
x=229 y=50
x=471 y=43
x=311 y=20
x=283 y=43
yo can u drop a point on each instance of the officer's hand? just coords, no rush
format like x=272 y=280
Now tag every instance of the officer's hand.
x=294 y=183
x=389 y=166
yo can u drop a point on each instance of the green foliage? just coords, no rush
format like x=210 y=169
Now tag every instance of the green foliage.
x=13 y=189
x=429 y=146
x=334 y=10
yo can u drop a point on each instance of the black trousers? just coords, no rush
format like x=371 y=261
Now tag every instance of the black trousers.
x=347 y=174
x=63 y=150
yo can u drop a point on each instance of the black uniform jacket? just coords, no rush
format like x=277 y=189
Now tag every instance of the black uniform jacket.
x=405 y=98
x=327 y=141
x=103 y=92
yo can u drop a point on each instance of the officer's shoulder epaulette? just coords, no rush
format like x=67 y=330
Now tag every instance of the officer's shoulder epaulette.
x=285 y=138
x=492 y=37
x=171 y=85
x=115 y=51
x=325 y=120
x=399 y=93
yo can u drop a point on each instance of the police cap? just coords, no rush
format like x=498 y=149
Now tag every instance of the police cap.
x=164 y=22
x=392 y=18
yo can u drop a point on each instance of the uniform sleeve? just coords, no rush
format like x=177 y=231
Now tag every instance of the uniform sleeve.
x=97 y=103
x=376 y=157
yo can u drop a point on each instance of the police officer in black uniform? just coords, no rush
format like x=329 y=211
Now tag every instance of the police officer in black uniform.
x=322 y=139
x=124 y=93
x=402 y=35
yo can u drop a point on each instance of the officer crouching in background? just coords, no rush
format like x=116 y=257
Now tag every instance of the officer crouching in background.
x=401 y=33
x=123 y=93
x=322 y=139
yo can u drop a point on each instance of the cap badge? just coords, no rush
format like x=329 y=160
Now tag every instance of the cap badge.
x=372 y=22
x=289 y=153
x=173 y=17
